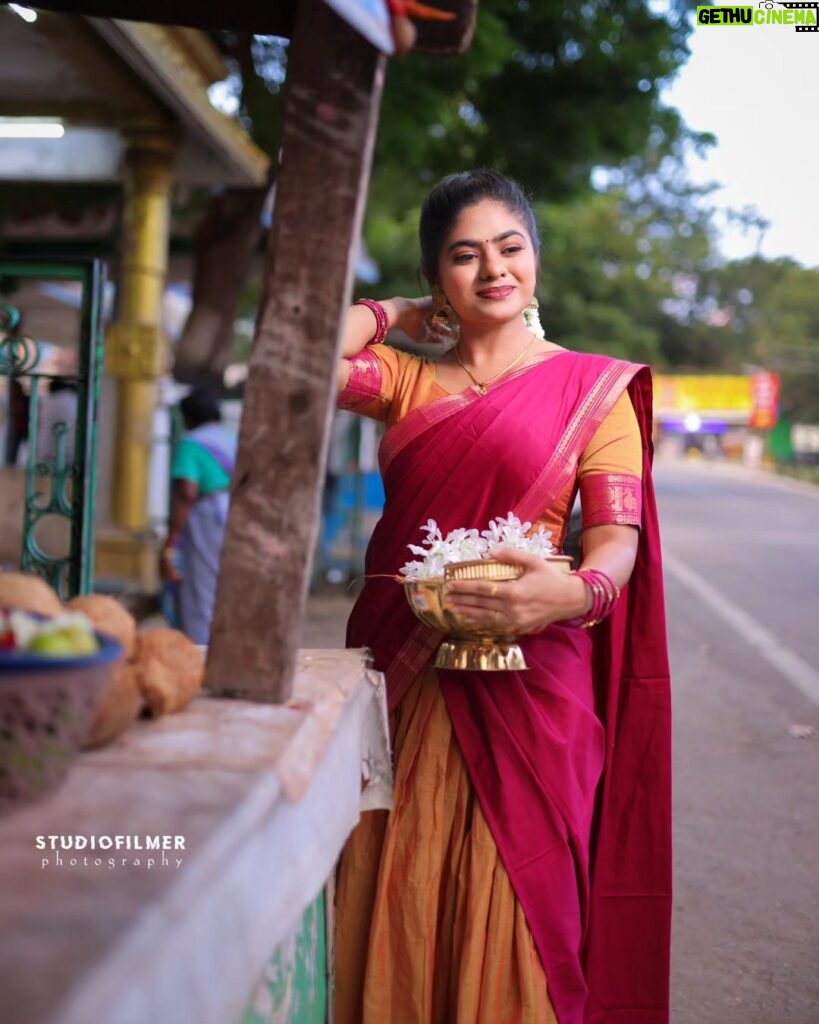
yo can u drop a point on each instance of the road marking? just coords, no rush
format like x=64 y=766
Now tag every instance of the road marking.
x=788 y=663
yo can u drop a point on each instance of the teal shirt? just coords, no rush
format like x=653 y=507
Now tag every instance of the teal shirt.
x=190 y=462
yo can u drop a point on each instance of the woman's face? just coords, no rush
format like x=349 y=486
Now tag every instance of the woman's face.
x=487 y=267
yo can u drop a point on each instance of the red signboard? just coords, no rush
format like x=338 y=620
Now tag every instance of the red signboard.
x=764 y=400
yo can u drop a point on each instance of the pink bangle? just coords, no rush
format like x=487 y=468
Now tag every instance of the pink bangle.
x=604 y=593
x=382 y=323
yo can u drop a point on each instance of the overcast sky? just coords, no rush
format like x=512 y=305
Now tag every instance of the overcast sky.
x=757 y=89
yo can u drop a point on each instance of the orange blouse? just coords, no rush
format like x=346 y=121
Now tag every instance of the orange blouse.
x=386 y=384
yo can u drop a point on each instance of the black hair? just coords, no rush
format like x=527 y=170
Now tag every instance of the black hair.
x=199 y=407
x=443 y=205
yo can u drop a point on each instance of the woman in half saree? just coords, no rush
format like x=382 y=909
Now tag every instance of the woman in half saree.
x=523 y=873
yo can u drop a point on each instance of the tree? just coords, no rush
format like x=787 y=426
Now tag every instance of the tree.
x=770 y=320
x=230 y=231
x=614 y=262
x=546 y=92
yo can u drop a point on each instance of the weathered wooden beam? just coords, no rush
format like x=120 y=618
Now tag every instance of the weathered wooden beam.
x=275 y=17
x=448 y=36
x=335 y=81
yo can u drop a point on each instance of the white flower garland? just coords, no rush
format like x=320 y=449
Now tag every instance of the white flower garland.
x=531 y=317
x=469 y=545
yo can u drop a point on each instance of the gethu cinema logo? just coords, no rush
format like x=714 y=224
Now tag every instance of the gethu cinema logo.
x=803 y=16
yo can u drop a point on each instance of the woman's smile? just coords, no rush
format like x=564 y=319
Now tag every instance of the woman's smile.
x=502 y=292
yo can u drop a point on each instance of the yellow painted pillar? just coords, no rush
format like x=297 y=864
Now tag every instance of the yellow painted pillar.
x=137 y=349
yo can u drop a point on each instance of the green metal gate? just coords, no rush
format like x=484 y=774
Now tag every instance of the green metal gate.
x=57 y=485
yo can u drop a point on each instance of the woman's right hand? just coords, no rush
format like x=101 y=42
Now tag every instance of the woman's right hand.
x=414 y=318
x=411 y=316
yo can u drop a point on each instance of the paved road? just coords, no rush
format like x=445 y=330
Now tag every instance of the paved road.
x=742 y=584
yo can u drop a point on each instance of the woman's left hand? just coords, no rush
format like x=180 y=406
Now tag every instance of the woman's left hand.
x=542 y=595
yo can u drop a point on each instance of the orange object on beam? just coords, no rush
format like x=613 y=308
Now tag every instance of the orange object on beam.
x=411 y=9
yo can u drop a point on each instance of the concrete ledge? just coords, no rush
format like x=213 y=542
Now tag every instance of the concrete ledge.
x=188 y=941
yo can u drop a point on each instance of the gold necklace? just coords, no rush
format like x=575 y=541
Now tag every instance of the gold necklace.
x=482 y=385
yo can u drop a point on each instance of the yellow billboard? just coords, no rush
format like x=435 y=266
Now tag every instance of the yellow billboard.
x=720 y=396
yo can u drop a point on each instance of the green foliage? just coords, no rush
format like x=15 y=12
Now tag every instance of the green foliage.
x=614 y=263
x=258 y=66
x=392 y=241
x=597 y=295
x=771 y=314
x=549 y=93
x=546 y=92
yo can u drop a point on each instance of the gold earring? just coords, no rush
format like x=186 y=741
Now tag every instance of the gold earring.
x=440 y=318
x=534 y=304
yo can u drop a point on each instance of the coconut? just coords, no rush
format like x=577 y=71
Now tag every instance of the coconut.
x=28 y=593
x=171 y=670
x=120 y=706
x=109 y=617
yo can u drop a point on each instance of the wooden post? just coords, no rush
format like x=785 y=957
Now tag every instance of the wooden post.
x=334 y=86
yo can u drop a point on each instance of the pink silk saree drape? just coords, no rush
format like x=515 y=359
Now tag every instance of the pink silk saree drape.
x=589 y=860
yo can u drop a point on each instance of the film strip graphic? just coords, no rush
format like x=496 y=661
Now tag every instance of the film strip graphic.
x=801 y=7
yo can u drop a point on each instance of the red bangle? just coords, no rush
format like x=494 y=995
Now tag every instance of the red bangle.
x=604 y=593
x=382 y=323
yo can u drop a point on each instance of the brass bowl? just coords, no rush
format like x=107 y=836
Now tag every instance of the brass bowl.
x=469 y=647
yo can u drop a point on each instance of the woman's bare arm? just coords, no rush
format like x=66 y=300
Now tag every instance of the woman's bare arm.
x=612 y=549
x=408 y=315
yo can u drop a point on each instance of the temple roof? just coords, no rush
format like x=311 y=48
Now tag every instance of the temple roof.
x=102 y=77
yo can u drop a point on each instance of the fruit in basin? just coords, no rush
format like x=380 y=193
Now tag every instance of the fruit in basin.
x=54 y=673
x=61 y=643
x=63 y=636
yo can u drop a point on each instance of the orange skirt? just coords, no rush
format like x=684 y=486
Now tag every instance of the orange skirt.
x=428 y=928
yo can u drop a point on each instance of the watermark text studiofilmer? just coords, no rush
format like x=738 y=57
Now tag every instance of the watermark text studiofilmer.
x=111 y=851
